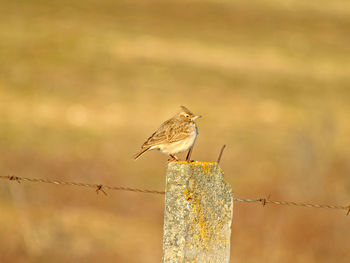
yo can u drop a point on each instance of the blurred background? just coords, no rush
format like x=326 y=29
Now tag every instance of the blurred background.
x=84 y=83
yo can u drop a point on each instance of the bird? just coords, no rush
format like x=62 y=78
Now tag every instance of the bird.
x=175 y=135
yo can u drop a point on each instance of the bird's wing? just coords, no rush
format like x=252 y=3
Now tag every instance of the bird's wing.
x=170 y=131
x=156 y=138
x=160 y=135
x=178 y=132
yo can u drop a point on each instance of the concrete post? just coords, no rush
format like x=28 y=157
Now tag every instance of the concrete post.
x=198 y=214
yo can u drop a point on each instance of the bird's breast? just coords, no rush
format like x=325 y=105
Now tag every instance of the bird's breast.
x=179 y=146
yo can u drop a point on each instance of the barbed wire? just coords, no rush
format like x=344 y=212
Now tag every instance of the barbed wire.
x=265 y=201
x=102 y=188
x=98 y=187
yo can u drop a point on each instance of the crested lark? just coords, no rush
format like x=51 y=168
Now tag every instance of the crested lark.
x=176 y=135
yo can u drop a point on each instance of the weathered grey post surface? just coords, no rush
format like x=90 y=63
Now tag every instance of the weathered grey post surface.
x=198 y=214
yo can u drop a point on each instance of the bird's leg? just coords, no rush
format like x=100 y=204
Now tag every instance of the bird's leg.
x=189 y=155
x=174 y=158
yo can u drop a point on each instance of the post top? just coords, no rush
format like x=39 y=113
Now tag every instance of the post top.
x=195 y=162
x=205 y=166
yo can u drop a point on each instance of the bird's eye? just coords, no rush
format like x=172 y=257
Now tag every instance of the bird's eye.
x=187 y=115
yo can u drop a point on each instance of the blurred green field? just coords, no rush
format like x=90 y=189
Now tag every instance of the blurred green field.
x=84 y=83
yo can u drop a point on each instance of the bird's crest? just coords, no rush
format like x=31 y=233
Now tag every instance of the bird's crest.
x=186 y=110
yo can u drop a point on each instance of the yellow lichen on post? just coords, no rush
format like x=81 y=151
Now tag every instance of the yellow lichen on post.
x=198 y=213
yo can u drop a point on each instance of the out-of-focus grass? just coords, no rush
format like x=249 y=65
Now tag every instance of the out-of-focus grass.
x=82 y=84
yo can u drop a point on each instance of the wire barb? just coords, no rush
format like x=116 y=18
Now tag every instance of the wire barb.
x=100 y=188
x=14 y=178
x=262 y=201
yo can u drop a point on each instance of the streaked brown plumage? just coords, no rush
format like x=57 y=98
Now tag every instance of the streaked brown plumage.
x=175 y=135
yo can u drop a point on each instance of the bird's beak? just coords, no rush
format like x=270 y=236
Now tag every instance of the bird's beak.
x=196 y=117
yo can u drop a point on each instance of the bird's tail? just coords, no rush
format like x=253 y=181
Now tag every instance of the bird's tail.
x=141 y=152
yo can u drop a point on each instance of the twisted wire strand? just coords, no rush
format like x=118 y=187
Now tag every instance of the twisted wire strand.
x=265 y=201
x=102 y=188
x=98 y=187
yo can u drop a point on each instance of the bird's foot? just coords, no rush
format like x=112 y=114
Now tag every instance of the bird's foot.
x=173 y=158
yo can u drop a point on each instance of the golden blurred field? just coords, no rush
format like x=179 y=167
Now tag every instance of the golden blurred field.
x=84 y=83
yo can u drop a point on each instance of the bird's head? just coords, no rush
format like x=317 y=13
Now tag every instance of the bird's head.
x=186 y=115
